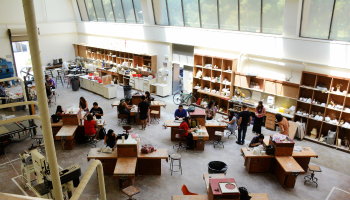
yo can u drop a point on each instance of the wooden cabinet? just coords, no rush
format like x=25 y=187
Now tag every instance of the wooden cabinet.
x=270 y=122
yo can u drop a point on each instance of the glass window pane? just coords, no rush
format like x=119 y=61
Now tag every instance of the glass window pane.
x=209 y=13
x=99 y=10
x=160 y=12
x=341 y=21
x=91 y=10
x=129 y=11
x=273 y=11
x=175 y=12
x=250 y=15
x=138 y=10
x=108 y=10
x=118 y=11
x=228 y=11
x=191 y=12
x=316 y=20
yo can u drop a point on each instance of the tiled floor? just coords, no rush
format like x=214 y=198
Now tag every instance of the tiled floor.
x=335 y=164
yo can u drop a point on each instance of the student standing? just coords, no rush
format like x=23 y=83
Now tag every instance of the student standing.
x=83 y=104
x=245 y=118
x=143 y=109
x=210 y=110
x=283 y=124
x=259 y=117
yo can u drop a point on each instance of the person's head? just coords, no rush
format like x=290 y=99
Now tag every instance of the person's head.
x=279 y=117
x=95 y=104
x=187 y=120
x=59 y=108
x=47 y=78
x=181 y=108
x=231 y=114
x=147 y=94
x=127 y=101
x=143 y=98
x=82 y=102
x=244 y=106
x=89 y=117
x=260 y=104
x=261 y=137
x=211 y=104
x=2 y=83
x=110 y=134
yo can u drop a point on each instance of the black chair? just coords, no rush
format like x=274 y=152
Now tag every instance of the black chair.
x=311 y=178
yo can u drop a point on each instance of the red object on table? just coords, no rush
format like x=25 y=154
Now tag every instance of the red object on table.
x=133 y=75
x=215 y=190
x=100 y=80
x=90 y=74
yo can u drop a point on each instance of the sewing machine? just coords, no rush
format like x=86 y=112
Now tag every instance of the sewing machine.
x=6 y=70
x=34 y=161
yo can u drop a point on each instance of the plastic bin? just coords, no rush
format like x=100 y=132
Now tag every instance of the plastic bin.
x=75 y=83
x=217 y=167
x=127 y=91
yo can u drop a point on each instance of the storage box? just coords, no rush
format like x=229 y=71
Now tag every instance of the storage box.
x=217 y=194
x=199 y=115
x=282 y=148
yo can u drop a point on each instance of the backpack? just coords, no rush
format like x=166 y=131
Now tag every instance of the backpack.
x=194 y=123
x=244 y=193
x=102 y=133
x=55 y=118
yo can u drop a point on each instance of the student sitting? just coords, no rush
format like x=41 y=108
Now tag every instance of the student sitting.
x=111 y=139
x=96 y=111
x=124 y=108
x=59 y=112
x=2 y=92
x=231 y=121
x=90 y=126
x=185 y=126
x=180 y=113
x=257 y=140
x=50 y=82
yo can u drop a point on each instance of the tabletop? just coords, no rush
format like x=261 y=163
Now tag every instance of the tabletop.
x=94 y=154
x=157 y=103
x=259 y=196
x=306 y=152
x=159 y=154
x=67 y=131
x=190 y=197
x=125 y=166
x=214 y=123
x=203 y=134
x=248 y=153
x=172 y=123
x=289 y=164
x=58 y=124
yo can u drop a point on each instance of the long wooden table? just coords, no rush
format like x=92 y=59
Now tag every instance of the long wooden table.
x=287 y=170
x=108 y=160
x=125 y=170
x=257 y=163
x=150 y=164
x=67 y=135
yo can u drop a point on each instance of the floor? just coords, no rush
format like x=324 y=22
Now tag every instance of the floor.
x=335 y=164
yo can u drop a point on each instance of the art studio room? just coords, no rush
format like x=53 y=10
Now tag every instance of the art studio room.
x=175 y=99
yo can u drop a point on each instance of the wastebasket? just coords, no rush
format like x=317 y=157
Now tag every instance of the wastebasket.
x=127 y=91
x=217 y=167
x=75 y=83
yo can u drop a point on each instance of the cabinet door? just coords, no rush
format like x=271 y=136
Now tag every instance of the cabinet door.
x=105 y=92
x=82 y=83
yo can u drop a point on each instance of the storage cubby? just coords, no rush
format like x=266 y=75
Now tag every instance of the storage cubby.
x=205 y=84
x=198 y=60
x=196 y=94
x=324 y=80
x=325 y=128
x=318 y=109
x=306 y=93
x=197 y=81
x=256 y=83
x=215 y=86
x=308 y=80
x=304 y=106
x=346 y=117
x=333 y=114
x=320 y=97
x=207 y=60
x=298 y=118
x=195 y=71
x=216 y=74
x=227 y=76
x=224 y=105
x=206 y=72
x=337 y=99
x=218 y=63
x=311 y=125
x=288 y=90
x=342 y=134
x=346 y=104
x=340 y=82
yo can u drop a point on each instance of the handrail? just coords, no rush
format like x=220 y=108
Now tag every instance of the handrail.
x=16 y=119
x=19 y=104
x=79 y=190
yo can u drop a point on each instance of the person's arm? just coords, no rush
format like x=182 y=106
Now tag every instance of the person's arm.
x=138 y=109
x=250 y=120
x=185 y=112
x=114 y=146
x=264 y=111
x=281 y=127
x=105 y=140
x=239 y=122
x=175 y=114
x=207 y=112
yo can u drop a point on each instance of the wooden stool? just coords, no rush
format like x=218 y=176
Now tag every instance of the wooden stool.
x=154 y=113
x=122 y=119
x=131 y=191
x=311 y=178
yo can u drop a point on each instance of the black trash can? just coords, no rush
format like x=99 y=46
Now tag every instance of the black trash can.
x=74 y=81
x=217 y=167
x=127 y=91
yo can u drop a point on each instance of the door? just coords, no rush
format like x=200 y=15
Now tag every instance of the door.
x=176 y=78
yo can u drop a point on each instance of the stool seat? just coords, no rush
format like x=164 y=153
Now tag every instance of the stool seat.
x=175 y=156
x=219 y=133
x=314 y=168
x=131 y=191
x=155 y=112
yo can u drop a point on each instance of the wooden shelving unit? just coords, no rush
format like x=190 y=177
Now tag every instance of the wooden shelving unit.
x=308 y=89
x=117 y=57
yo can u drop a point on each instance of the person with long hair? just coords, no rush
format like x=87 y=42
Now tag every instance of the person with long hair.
x=260 y=112
x=188 y=132
x=83 y=104
x=210 y=110
x=231 y=121
x=110 y=139
x=59 y=112
x=283 y=124
x=149 y=99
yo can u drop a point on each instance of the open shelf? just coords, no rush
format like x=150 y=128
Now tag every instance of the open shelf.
x=340 y=82
x=311 y=125
x=308 y=79
x=320 y=97
x=218 y=63
x=256 y=83
x=325 y=128
x=324 y=80
x=198 y=60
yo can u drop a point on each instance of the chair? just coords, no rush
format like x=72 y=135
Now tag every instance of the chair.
x=131 y=191
x=311 y=178
x=154 y=113
x=172 y=158
x=122 y=119
x=128 y=129
x=59 y=77
x=49 y=73
x=181 y=136
x=185 y=191
x=219 y=141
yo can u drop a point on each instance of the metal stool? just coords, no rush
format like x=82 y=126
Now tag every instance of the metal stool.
x=131 y=191
x=69 y=76
x=230 y=133
x=180 y=136
x=154 y=113
x=172 y=158
x=59 y=77
x=91 y=140
x=122 y=119
x=219 y=141
x=49 y=73
x=311 y=178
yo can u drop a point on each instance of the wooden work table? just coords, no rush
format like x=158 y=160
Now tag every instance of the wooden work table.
x=257 y=163
x=286 y=171
x=108 y=160
x=125 y=170
x=67 y=136
x=155 y=105
x=150 y=164
x=190 y=197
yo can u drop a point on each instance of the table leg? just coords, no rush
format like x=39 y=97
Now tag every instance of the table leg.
x=303 y=162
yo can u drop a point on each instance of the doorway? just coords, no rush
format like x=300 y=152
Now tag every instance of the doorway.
x=22 y=58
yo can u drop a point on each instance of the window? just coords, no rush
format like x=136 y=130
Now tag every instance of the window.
x=175 y=13
x=341 y=21
x=108 y=10
x=129 y=11
x=250 y=11
x=209 y=13
x=160 y=12
x=228 y=14
x=99 y=10
x=316 y=18
x=191 y=12
x=138 y=11
x=91 y=10
x=118 y=11
x=272 y=18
